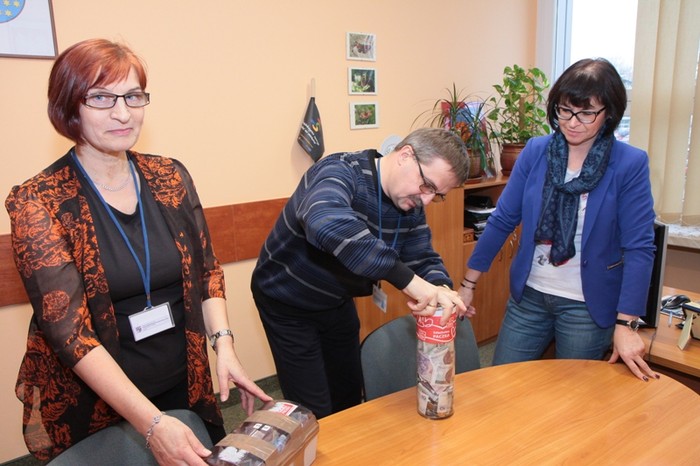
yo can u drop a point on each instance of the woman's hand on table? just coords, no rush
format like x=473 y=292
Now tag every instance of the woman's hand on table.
x=628 y=346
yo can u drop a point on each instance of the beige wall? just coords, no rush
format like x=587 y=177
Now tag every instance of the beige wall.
x=230 y=83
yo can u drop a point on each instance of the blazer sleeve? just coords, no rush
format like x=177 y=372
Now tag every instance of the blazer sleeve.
x=636 y=219
x=509 y=208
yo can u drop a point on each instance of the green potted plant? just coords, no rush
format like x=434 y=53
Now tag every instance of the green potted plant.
x=518 y=112
x=468 y=118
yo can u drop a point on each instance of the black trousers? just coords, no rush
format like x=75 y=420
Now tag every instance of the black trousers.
x=317 y=354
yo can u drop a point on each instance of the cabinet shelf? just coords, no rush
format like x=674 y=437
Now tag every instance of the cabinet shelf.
x=498 y=180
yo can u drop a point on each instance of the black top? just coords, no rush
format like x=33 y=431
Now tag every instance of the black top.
x=157 y=363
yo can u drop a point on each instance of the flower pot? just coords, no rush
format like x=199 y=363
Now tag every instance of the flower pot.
x=509 y=153
x=474 y=165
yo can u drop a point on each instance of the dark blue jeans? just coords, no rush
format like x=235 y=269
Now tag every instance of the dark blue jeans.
x=529 y=326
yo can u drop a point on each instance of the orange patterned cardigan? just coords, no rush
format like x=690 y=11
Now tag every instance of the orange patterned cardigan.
x=56 y=253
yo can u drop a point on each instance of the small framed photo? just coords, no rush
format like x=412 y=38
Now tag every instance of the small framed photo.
x=361 y=46
x=362 y=81
x=364 y=115
x=27 y=29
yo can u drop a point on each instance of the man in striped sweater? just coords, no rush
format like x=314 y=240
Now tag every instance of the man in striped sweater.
x=355 y=219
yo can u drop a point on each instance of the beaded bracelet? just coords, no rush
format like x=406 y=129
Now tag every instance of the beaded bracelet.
x=149 y=432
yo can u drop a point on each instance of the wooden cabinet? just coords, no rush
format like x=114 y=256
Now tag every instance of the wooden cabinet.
x=446 y=222
x=493 y=289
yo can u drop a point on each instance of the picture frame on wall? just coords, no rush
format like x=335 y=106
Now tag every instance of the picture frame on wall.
x=362 y=81
x=27 y=29
x=361 y=46
x=364 y=115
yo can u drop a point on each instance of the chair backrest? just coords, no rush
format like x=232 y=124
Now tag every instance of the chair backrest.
x=388 y=355
x=121 y=445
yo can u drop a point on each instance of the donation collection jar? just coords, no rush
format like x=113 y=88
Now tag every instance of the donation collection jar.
x=436 y=365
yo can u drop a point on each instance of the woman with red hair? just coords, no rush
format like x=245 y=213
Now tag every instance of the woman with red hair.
x=116 y=258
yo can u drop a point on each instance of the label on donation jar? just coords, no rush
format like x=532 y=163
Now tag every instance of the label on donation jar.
x=436 y=365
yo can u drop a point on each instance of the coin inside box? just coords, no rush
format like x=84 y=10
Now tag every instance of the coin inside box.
x=280 y=433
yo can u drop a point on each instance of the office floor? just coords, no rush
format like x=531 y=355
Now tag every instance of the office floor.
x=234 y=415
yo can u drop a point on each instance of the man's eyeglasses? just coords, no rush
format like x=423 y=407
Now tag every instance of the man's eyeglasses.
x=584 y=116
x=428 y=187
x=106 y=100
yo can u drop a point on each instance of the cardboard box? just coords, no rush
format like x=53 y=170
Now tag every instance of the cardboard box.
x=280 y=433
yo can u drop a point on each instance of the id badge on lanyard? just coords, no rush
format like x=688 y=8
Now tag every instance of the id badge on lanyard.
x=151 y=321
x=379 y=297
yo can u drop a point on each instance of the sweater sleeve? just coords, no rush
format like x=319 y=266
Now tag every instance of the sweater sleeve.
x=333 y=216
x=418 y=253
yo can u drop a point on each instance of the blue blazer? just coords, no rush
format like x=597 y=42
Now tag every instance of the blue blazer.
x=617 y=250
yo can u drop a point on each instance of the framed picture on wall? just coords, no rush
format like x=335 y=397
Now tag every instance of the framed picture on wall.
x=362 y=81
x=27 y=29
x=361 y=46
x=364 y=115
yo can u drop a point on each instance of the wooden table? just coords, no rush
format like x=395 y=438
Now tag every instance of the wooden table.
x=662 y=343
x=537 y=412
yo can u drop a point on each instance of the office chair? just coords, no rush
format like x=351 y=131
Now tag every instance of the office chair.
x=121 y=444
x=388 y=355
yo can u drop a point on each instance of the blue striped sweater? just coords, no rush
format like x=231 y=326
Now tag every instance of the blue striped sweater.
x=326 y=247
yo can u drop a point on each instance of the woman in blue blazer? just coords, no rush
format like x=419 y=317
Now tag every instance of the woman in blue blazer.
x=584 y=200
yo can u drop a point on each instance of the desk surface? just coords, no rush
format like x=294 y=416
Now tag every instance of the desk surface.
x=537 y=412
x=662 y=343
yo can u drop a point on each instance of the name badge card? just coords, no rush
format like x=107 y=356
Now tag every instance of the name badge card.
x=379 y=297
x=151 y=321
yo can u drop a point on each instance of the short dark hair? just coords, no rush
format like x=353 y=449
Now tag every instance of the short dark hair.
x=428 y=143
x=89 y=63
x=586 y=79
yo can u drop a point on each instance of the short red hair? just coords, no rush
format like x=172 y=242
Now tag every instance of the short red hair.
x=89 y=63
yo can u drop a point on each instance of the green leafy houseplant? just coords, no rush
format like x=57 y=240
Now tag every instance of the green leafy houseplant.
x=468 y=118
x=519 y=112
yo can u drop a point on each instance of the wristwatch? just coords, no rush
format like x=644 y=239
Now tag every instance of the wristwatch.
x=217 y=335
x=631 y=324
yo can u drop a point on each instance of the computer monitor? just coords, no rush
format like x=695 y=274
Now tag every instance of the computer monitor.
x=656 y=286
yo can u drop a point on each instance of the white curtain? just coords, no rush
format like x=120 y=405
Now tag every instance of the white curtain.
x=665 y=98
